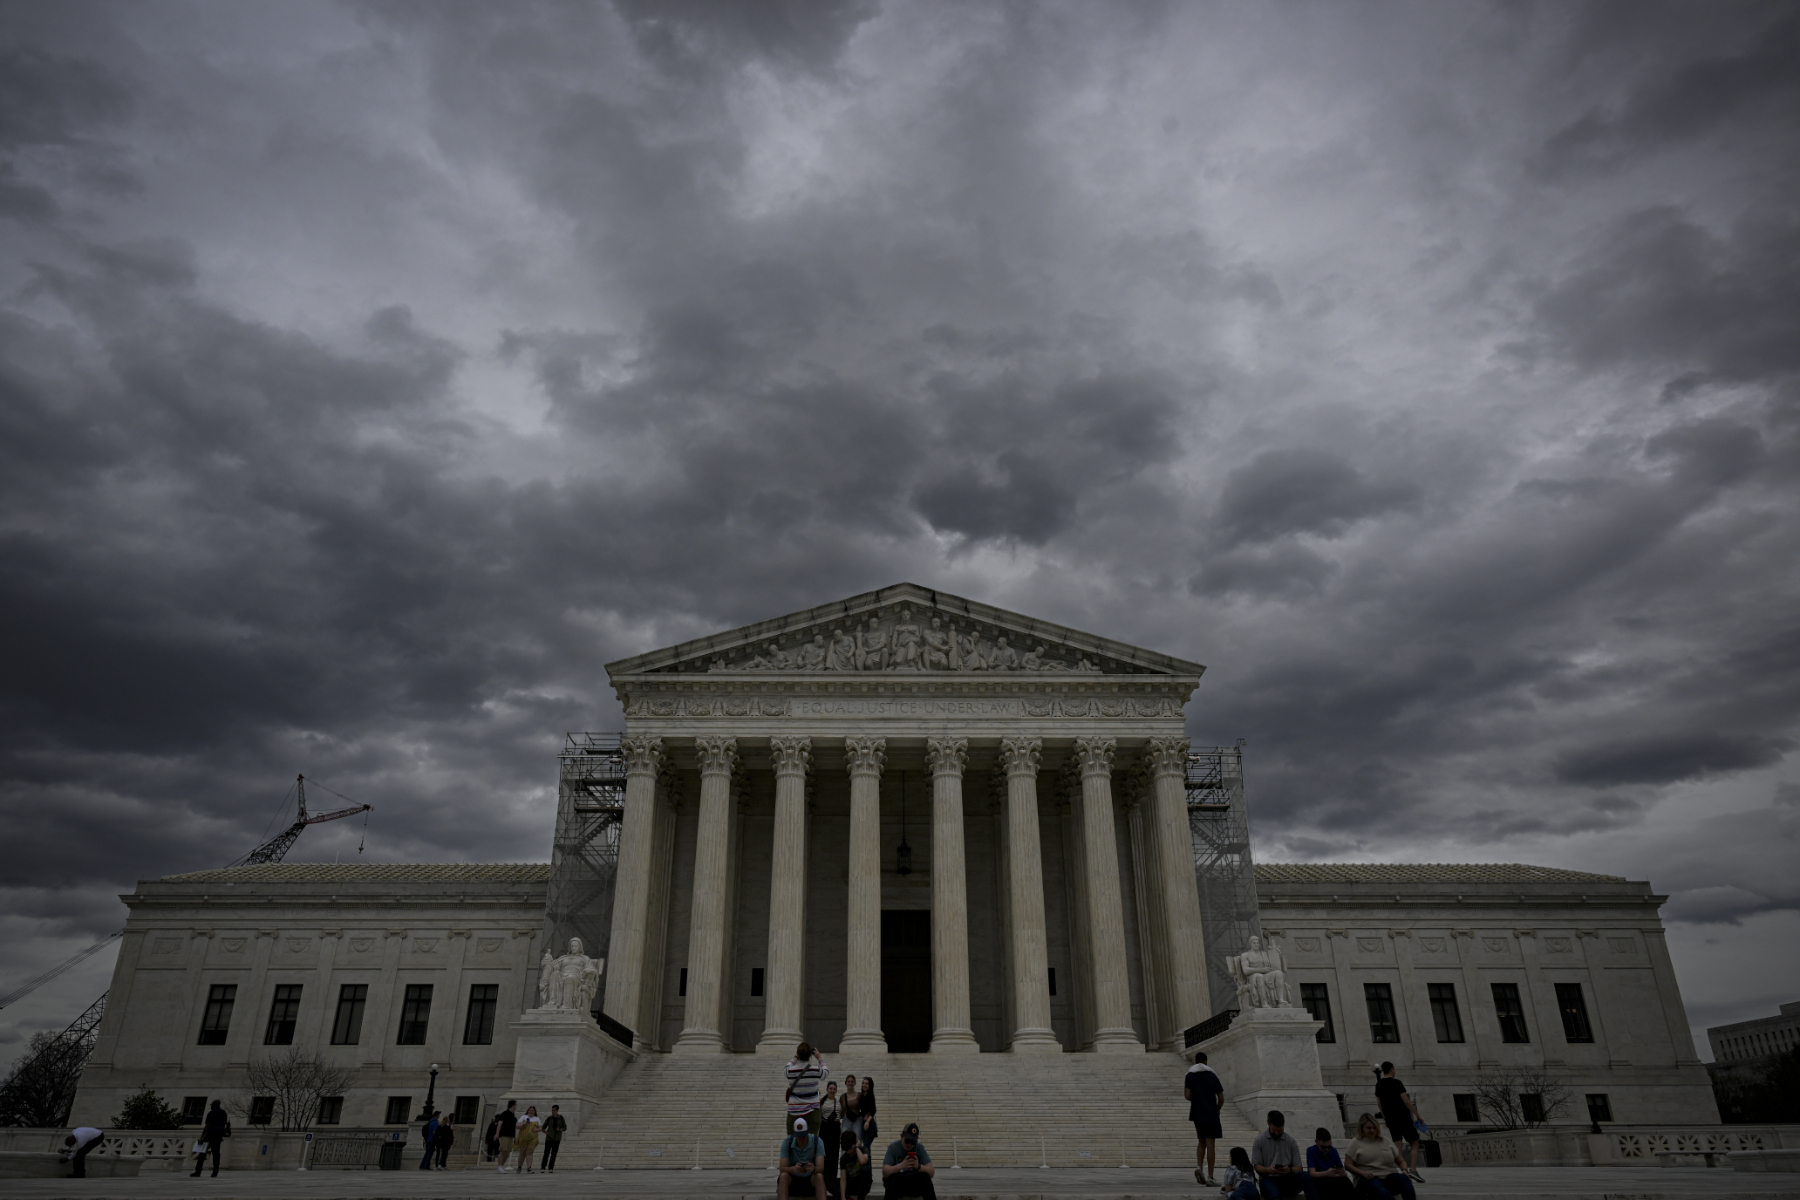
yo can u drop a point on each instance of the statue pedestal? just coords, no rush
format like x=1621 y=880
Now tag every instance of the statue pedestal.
x=1269 y=1059
x=562 y=1057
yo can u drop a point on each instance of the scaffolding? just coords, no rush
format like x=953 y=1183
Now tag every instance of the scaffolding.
x=1223 y=869
x=584 y=859
x=40 y=1091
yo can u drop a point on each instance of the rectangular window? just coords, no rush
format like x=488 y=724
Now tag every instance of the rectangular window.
x=1574 y=1012
x=346 y=1030
x=1531 y=1107
x=756 y=981
x=1053 y=981
x=681 y=989
x=398 y=1110
x=1383 y=1027
x=1467 y=1111
x=1315 y=998
x=213 y=1026
x=467 y=1109
x=1443 y=1011
x=484 y=1002
x=415 y=1012
x=193 y=1110
x=331 y=1110
x=283 y=1013
x=262 y=1110
x=1511 y=1013
x=1599 y=1107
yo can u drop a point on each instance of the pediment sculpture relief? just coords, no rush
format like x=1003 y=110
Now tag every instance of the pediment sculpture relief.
x=907 y=638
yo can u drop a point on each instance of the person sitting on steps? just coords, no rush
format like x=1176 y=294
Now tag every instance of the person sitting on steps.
x=907 y=1169
x=802 y=1164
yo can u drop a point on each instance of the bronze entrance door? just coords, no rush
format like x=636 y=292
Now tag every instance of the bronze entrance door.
x=906 y=980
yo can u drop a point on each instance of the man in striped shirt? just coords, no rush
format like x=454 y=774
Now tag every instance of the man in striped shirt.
x=806 y=1075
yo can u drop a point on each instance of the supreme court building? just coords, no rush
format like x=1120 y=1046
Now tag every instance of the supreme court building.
x=901 y=824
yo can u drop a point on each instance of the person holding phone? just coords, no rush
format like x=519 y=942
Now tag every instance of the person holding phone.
x=802 y=1164
x=907 y=1169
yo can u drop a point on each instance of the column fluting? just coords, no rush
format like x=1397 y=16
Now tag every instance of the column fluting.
x=1031 y=1031
x=700 y=1033
x=628 y=949
x=1113 y=1033
x=783 y=982
x=949 y=900
x=864 y=758
x=1191 y=1001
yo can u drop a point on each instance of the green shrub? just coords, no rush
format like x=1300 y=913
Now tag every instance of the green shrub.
x=146 y=1111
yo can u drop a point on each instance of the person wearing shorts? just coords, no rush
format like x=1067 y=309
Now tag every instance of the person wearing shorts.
x=1205 y=1096
x=1401 y=1115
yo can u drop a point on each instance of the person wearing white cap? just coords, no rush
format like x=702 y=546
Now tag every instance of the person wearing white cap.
x=802 y=1164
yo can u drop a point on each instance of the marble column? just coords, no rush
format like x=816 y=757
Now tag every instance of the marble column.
x=783 y=981
x=1113 y=1033
x=949 y=900
x=700 y=1032
x=1190 y=1000
x=864 y=757
x=628 y=946
x=1031 y=1032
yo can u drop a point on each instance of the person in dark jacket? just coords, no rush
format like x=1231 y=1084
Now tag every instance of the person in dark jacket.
x=442 y=1140
x=555 y=1125
x=431 y=1128
x=214 y=1133
x=491 y=1139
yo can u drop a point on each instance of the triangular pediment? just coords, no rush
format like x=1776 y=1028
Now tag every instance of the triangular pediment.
x=905 y=629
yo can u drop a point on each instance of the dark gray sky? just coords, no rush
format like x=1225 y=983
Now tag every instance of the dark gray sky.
x=370 y=375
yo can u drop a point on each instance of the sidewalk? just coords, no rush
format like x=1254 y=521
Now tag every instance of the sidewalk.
x=1098 y=1183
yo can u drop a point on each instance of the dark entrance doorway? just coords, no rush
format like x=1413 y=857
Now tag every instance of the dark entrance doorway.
x=906 y=980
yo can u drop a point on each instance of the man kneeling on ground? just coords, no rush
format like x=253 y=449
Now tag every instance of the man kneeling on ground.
x=802 y=1164
x=907 y=1169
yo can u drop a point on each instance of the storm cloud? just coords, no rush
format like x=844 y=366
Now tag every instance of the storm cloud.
x=372 y=374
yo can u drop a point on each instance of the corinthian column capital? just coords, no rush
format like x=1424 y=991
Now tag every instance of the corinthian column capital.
x=947 y=756
x=1168 y=755
x=643 y=755
x=718 y=755
x=792 y=755
x=1095 y=754
x=1021 y=755
x=865 y=756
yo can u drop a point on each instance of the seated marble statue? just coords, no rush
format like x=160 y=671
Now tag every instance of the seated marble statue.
x=1261 y=977
x=570 y=981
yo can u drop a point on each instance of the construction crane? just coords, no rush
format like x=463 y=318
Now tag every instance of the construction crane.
x=276 y=847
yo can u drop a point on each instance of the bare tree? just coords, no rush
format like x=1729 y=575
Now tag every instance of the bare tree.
x=1526 y=1097
x=297 y=1083
x=40 y=1089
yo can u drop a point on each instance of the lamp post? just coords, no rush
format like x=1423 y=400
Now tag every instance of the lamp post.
x=430 y=1094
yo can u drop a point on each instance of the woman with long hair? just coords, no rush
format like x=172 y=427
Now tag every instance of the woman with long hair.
x=847 y=1106
x=865 y=1109
x=526 y=1141
x=830 y=1126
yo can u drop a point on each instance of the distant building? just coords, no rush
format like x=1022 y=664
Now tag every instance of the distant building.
x=1743 y=1048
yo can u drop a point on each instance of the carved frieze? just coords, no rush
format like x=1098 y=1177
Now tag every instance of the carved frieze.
x=806 y=707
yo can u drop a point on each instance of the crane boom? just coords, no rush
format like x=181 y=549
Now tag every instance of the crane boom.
x=277 y=847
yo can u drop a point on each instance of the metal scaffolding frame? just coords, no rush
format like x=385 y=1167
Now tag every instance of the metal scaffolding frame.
x=41 y=1088
x=584 y=859
x=1223 y=869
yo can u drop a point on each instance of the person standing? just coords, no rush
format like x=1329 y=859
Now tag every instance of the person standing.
x=1206 y=1097
x=1275 y=1156
x=806 y=1073
x=442 y=1141
x=906 y=1169
x=1371 y=1159
x=802 y=1171
x=431 y=1128
x=525 y=1141
x=865 y=1113
x=507 y=1128
x=213 y=1135
x=555 y=1125
x=80 y=1140
x=1402 y=1117
x=490 y=1141
x=830 y=1127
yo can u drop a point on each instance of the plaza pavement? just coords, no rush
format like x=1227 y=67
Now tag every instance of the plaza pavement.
x=1464 y=1183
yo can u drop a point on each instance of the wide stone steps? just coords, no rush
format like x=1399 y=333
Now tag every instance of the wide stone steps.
x=1071 y=1110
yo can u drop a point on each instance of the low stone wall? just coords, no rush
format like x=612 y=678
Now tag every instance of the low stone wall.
x=1633 y=1146
x=252 y=1148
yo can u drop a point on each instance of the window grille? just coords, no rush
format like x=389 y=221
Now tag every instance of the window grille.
x=1383 y=1026
x=1444 y=1014
x=217 y=1022
x=415 y=1013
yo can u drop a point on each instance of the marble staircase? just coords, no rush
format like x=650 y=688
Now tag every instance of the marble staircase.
x=988 y=1110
